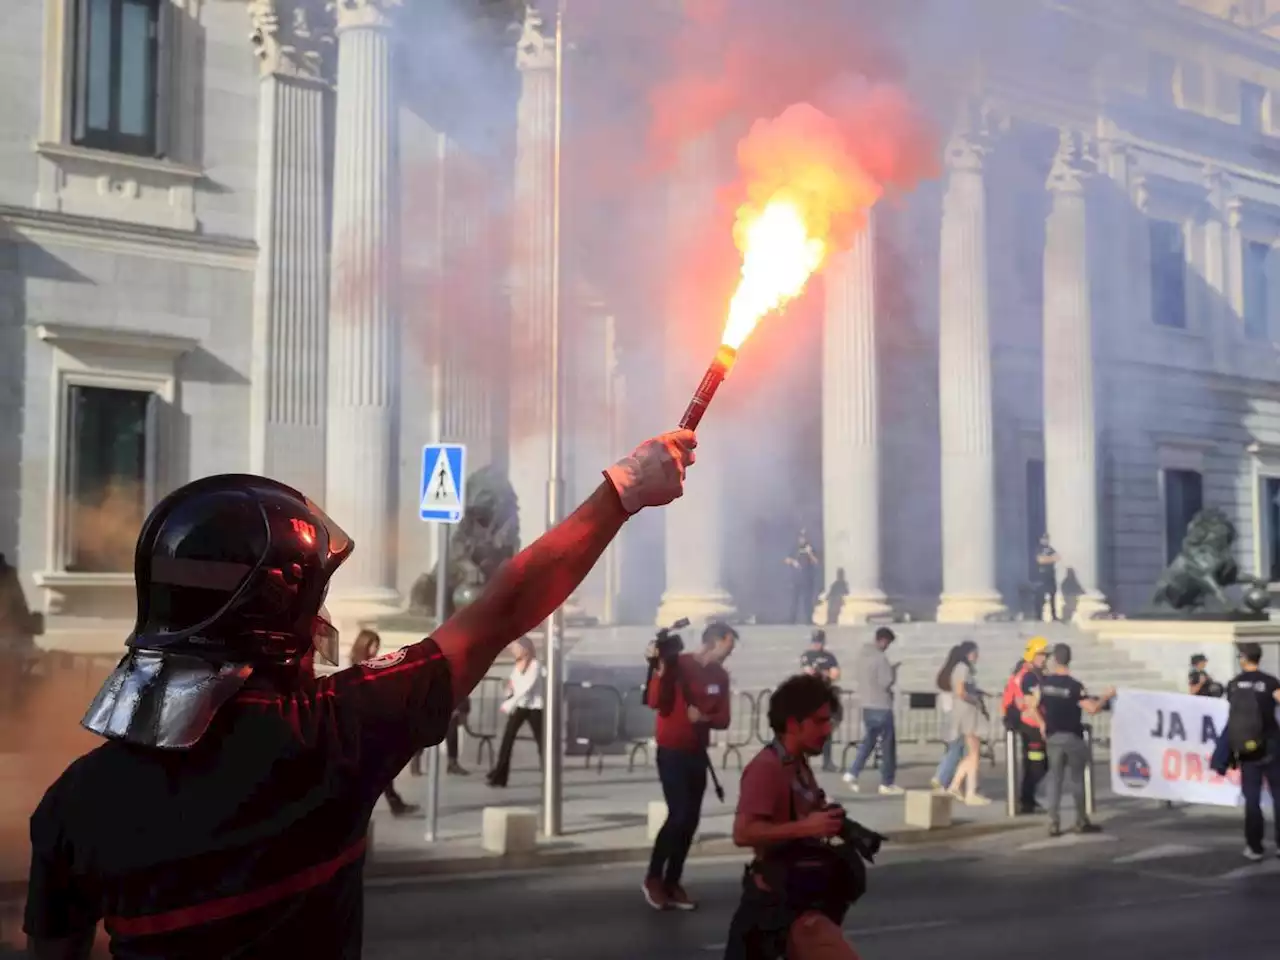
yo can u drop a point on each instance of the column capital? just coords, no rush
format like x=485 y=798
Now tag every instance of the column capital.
x=292 y=38
x=1073 y=164
x=535 y=50
x=364 y=13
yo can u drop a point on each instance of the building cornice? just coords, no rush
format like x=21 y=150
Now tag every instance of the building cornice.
x=111 y=236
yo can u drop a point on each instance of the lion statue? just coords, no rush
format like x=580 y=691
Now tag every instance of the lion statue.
x=1204 y=567
x=488 y=534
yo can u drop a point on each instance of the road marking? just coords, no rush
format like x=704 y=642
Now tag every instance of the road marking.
x=858 y=933
x=1068 y=840
x=1160 y=853
x=1252 y=870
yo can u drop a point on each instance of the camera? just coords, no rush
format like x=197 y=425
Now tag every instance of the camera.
x=668 y=644
x=857 y=840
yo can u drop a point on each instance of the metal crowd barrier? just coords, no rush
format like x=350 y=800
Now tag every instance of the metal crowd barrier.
x=601 y=716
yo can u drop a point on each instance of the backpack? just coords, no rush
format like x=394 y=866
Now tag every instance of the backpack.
x=1245 y=725
x=1009 y=702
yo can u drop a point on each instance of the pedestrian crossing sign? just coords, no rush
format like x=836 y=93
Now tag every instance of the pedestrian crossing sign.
x=444 y=481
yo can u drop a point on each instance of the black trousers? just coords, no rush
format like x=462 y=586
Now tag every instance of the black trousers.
x=1035 y=764
x=803 y=591
x=1047 y=593
x=1252 y=775
x=684 y=781
x=515 y=719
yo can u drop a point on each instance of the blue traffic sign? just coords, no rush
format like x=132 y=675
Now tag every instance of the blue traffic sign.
x=443 y=491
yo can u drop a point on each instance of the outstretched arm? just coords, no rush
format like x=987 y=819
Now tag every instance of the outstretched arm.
x=529 y=587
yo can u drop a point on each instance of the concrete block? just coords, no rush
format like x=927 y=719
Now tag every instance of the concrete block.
x=927 y=809
x=506 y=830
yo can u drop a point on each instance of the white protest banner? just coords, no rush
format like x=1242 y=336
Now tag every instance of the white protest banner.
x=1161 y=746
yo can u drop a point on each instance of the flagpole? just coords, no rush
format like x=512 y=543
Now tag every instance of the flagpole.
x=553 y=753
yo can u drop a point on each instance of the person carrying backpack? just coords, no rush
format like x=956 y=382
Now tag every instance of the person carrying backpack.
x=1254 y=738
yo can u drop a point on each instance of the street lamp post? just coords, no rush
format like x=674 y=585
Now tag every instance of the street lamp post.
x=552 y=799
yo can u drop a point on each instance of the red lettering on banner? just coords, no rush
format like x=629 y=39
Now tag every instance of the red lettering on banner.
x=1171 y=765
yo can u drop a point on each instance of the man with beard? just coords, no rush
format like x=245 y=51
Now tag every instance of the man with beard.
x=780 y=802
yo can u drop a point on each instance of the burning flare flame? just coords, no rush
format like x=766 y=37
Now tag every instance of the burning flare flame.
x=778 y=257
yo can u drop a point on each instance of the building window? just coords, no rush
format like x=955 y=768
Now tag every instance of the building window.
x=1036 y=514
x=1257 y=257
x=110 y=445
x=1168 y=274
x=1160 y=72
x=117 y=58
x=1183 y=499
x=1252 y=100
x=1271 y=510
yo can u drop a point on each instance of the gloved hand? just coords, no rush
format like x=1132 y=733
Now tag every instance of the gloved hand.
x=654 y=473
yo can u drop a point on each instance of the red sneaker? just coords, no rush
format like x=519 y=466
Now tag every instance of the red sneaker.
x=655 y=894
x=678 y=899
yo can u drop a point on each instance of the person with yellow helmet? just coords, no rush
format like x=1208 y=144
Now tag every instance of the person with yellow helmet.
x=1021 y=708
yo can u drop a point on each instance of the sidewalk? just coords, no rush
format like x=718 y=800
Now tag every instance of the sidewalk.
x=605 y=814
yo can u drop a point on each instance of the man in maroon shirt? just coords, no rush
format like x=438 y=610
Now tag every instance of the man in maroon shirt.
x=691 y=695
x=779 y=801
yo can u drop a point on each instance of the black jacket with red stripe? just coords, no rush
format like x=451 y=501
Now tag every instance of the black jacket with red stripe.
x=252 y=843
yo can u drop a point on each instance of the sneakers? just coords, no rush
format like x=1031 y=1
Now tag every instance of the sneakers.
x=655 y=894
x=458 y=770
x=1086 y=826
x=678 y=899
x=851 y=781
x=977 y=800
x=889 y=790
x=1253 y=855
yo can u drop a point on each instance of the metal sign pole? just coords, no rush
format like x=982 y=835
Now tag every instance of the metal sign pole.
x=1011 y=772
x=433 y=756
x=553 y=726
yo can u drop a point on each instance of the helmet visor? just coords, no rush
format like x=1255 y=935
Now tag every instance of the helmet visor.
x=324 y=638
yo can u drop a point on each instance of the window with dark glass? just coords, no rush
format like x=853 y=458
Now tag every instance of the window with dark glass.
x=108 y=439
x=1271 y=509
x=1252 y=100
x=1168 y=274
x=1036 y=514
x=1183 y=499
x=117 y=56
x=1257 y=258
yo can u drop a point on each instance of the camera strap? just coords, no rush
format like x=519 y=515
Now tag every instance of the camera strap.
x=706 y=754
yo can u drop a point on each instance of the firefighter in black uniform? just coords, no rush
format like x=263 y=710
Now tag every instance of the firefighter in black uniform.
x=227 y=813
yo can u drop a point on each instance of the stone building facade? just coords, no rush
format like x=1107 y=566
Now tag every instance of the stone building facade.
x=251 y=236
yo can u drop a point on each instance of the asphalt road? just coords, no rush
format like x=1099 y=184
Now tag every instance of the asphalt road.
x=1159 y=883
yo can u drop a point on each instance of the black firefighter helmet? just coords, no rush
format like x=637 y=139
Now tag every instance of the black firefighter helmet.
x=231 y=573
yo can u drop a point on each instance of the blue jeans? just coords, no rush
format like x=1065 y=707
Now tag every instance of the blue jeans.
x=951 y=758
x=877 y=726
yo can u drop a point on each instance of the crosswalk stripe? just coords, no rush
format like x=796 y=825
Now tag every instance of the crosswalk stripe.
x=1160 y=853
x=1252 y=870
x=1068 y=840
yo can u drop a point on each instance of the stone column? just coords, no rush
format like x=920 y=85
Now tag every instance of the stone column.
x=850 y=431
x=532 y=305
x=1070 y=437
x=694 y=523
x=291 y=295
x=964 y=393
x=362 y=452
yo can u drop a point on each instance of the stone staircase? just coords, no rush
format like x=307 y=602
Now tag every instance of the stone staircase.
x=766 y=654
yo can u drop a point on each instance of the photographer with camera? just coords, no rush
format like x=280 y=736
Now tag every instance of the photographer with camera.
x=690 y=692
x=798 y=887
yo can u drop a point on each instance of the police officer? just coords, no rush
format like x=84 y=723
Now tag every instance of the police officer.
x=818 y=661
x=227 y=813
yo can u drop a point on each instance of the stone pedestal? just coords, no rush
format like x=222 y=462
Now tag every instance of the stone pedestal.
x=694 y=523
x=850 y=432
x=1070 y=440
x=533 y=264
x=291 y=295
x=964 y=394
x=362 y=449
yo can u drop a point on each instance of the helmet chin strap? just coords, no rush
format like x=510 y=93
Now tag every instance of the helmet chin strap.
x=324 y=637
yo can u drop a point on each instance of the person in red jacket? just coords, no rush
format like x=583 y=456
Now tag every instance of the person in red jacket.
x=691 y=695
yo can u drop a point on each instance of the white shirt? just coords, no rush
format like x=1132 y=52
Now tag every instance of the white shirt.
x=527 y=687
